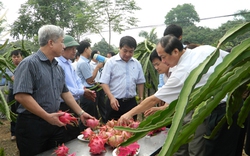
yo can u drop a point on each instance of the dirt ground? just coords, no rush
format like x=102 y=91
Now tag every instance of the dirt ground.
x=9 y=146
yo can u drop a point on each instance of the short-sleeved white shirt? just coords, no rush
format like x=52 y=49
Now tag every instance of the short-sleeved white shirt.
x=187 y=62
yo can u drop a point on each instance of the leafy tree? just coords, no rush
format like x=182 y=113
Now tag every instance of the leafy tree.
x=64 y=13
x=103 y=47
x=199 y=35
x=152 y=36
x=3 y=26
x=243 y=14
x=116 y=15
x=183 y=15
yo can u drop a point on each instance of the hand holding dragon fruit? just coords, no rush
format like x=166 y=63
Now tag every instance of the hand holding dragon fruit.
x=68 y=118
x=92 y=123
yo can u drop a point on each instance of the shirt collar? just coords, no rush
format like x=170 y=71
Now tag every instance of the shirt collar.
x=84 y=58
x=43 y=57
x=118 y=58
x=64 y=60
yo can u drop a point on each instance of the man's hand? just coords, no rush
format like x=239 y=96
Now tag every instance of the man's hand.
x=53 y=119
x=114 y=104
x=125 y=119
x=99 y=65
x=151 y=111
x=89 y=94
x=84 y=117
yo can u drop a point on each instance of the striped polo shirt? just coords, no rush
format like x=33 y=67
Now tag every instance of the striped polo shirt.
x=42 y=79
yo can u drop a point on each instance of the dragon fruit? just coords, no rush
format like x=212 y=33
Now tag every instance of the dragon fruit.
x=62 y=150
x=73 y=154
x=96 y=145
x=92 y=123
x=134 y=124
x=116 y=140
x=153 y=132
x=130 y=150
x=68 y=118
x=87 y=133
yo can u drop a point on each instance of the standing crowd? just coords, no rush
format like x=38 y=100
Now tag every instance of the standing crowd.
x=48 y=81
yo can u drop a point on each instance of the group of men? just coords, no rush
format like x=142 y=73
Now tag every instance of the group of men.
x=46 y=82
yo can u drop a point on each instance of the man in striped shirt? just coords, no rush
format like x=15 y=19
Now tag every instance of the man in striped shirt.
x=39 y=84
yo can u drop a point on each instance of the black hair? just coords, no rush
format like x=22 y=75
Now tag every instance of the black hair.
x=93 y=53
x=174 y=30
x=83 y=45
x=111 y=53
x=154 y=55
x=77 y=54
x=16 y=52
x=170 y=42
x=128 y=41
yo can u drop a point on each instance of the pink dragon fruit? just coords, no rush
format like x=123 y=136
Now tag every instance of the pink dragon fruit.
x=68 y=118
x=154 y=132
x=62 y=150
x=96 y=145
x=130 y=150
x=134 y=124
x=87 y=133
x=92 y=123
x=73 y=154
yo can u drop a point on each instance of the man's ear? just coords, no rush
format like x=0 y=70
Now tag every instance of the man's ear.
x=50 y=43
x=180 y=38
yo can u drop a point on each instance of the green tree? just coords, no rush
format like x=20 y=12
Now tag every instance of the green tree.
x=183 y=15
x=3 y=24
x=103 y=47
x=199 y=35
x=63 y=13
x=116 y=15
x=243 y=14
x=152 y=36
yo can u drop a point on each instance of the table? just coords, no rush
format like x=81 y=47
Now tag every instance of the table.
x=148 y=145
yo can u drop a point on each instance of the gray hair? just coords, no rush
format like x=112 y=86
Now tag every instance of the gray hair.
x=49 y=32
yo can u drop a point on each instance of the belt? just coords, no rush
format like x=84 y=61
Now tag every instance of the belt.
x=126 y=99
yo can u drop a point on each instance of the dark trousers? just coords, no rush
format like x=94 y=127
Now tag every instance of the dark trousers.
x=71 y=131
x=125 y=106
x=35 y=135
x=227 y=142
x=247 y=145
x=89 y=107
x=100 y=100
x=13 y=109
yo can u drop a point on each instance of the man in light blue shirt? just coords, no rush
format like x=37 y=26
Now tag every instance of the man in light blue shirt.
x=121 y=76
x=72 y=81
x=87 y=78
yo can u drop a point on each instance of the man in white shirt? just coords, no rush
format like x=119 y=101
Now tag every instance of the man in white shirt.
x=172 y=53
x=121 y=77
